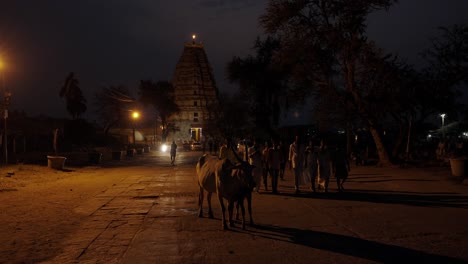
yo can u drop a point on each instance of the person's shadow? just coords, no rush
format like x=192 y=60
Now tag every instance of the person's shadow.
x=348 y=245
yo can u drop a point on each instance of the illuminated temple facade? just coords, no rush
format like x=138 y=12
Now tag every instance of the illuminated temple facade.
x=195 y=93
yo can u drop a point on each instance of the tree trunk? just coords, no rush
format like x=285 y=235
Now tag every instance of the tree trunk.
x=398 y=142
x=349 y=139
x=384 y=159
x=55 y=141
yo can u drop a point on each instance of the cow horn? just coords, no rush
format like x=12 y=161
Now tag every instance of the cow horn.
x=235 y=154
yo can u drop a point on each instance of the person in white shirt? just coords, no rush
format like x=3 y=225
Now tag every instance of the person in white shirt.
x=255 y=159
x=296 y=157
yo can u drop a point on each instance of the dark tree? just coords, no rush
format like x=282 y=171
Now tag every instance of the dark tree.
x=75 y=101
x=160 y=96
x=323 y=43
x=447 y=70
x=261 y=83
x=232 y=115
x=112 y=104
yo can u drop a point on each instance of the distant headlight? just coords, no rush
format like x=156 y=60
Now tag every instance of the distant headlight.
x=163 y=147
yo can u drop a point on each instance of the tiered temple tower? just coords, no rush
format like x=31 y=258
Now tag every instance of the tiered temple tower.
x=195 y=93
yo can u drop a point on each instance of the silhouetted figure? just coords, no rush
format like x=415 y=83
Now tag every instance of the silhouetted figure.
x=284 y=152
x=173 y=152
x=325 y=166
x=274 y=159
x=340 y=168
x=255 y=159
x=296 y=153
x=226 y=152
x=265 y=165
x=311 y=164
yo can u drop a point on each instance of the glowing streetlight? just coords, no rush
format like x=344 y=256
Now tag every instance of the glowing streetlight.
x=443 y=124
x=443 y=119
x=135 y=116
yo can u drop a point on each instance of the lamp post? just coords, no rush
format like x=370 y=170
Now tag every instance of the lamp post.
x=443 y=124
x=6 y=102
x=135 y=116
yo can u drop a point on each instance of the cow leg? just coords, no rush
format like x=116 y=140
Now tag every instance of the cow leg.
x=237 y=210
x=200 y=202
x=249 y=207
x=230 y=208
x=223 y=210
x=241 y=201
x=210 y=211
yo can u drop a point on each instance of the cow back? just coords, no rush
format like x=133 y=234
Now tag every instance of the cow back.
x=206 y=171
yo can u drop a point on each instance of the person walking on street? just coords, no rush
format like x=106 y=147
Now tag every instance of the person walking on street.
x=340 y=165
x=296 y=153
x=284 y=153
x=325 y=165
x=173 y=152
x=265 y=165
x=255 y=159
x=226 y=152
x=311 y=164
x=274 y=160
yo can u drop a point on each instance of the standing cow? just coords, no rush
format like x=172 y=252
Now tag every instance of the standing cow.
x=232 y=182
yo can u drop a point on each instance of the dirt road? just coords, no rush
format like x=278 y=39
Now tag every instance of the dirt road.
x=143 y=210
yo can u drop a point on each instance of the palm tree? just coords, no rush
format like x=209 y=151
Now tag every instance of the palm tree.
x=75 y=101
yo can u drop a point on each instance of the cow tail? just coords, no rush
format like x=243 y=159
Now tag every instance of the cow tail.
x=200 y=163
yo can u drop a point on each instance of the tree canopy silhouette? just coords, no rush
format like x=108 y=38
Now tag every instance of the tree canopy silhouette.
x=324 y=44
x=112 y=105
x=75 y=101
x=160 y=96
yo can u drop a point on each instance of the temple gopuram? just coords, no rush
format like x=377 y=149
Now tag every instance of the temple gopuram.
x=195 y=93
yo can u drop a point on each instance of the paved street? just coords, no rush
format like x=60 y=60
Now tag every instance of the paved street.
x=145 y=211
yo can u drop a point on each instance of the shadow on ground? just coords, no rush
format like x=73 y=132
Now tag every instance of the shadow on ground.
x=437 y=199
x=351 y=246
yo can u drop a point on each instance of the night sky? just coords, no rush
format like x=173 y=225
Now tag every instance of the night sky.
x=114 y=42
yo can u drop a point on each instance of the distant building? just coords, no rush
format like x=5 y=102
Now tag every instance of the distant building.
x=195 y=93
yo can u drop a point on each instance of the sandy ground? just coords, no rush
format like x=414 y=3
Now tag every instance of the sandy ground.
x=32 y=223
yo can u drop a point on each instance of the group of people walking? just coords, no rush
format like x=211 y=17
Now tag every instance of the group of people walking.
x=316 y=165
x=310 y=164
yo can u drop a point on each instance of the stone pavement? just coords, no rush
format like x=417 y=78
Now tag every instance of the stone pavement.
x=387 y=215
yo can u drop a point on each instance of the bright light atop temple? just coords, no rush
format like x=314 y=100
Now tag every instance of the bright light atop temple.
x=194 y=36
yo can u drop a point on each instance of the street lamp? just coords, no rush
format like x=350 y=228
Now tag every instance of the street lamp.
x=135 y=116
x=6 y=102
x=443 y=124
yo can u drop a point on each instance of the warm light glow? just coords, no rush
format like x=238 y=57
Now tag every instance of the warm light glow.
x=2 y=64
x=194 y=36
x=135 y=115
x=163 y=147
